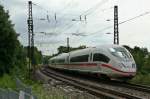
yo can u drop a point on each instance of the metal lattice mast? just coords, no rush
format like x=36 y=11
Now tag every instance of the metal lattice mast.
x=30 y=37
x=116 y=32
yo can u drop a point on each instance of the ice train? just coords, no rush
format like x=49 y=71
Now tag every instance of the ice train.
x=109 y=61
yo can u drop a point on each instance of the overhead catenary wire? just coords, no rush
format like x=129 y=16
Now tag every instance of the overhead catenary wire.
x=72 y=24
x=143 y=14
x=85 y=18
x=88 y=12
x=122 y=22
x=106 y=28
x=65 y=7
x=35 y=4
x=68 y=26
x=47 y=16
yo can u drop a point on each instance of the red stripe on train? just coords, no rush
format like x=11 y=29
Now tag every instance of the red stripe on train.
x=95 y=64
x=83 y=64
x=110 y=66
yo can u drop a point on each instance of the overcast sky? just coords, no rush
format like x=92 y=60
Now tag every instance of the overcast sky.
x=99 y=16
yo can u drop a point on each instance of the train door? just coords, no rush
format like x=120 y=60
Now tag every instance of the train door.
x=91 y=57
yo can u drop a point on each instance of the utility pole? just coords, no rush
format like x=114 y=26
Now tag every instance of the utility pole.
x=68 y=47
x=116 y=32
x=30 y=38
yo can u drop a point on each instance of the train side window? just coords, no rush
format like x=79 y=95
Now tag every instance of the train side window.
x=61 y=60
x=83 y=58
x=53 y=61
x=100 y=57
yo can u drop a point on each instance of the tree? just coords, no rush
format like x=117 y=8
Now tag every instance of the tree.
x=37 y=56
x=64 y=49
x=8 y=42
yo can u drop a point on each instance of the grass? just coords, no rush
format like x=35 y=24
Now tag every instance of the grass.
x=7 y=82
x=141 y=79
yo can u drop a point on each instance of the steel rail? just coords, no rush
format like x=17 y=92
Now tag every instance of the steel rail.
x=138 y=87
x=96 y=90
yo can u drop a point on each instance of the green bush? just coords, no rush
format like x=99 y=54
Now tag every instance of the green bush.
x=141 y=79
x=7 y=82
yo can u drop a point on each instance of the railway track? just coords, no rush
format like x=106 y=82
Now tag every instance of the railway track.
x=138 y=87
x=92 y=88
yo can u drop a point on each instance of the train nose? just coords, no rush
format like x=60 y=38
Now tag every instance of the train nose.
x=133 y=65
x=128 y=66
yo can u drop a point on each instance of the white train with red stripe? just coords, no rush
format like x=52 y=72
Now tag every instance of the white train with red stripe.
x=111 y=61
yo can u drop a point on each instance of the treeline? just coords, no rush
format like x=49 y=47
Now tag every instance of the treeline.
x=12 y=53
x=64 y=49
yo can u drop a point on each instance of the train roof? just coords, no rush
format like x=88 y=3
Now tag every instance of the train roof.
x=82 y=51
x=60 y=56
x=108 y=46
x=97 y=47
x=100 y=47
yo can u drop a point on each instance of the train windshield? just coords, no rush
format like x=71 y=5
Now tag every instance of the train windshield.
x=120 y=53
